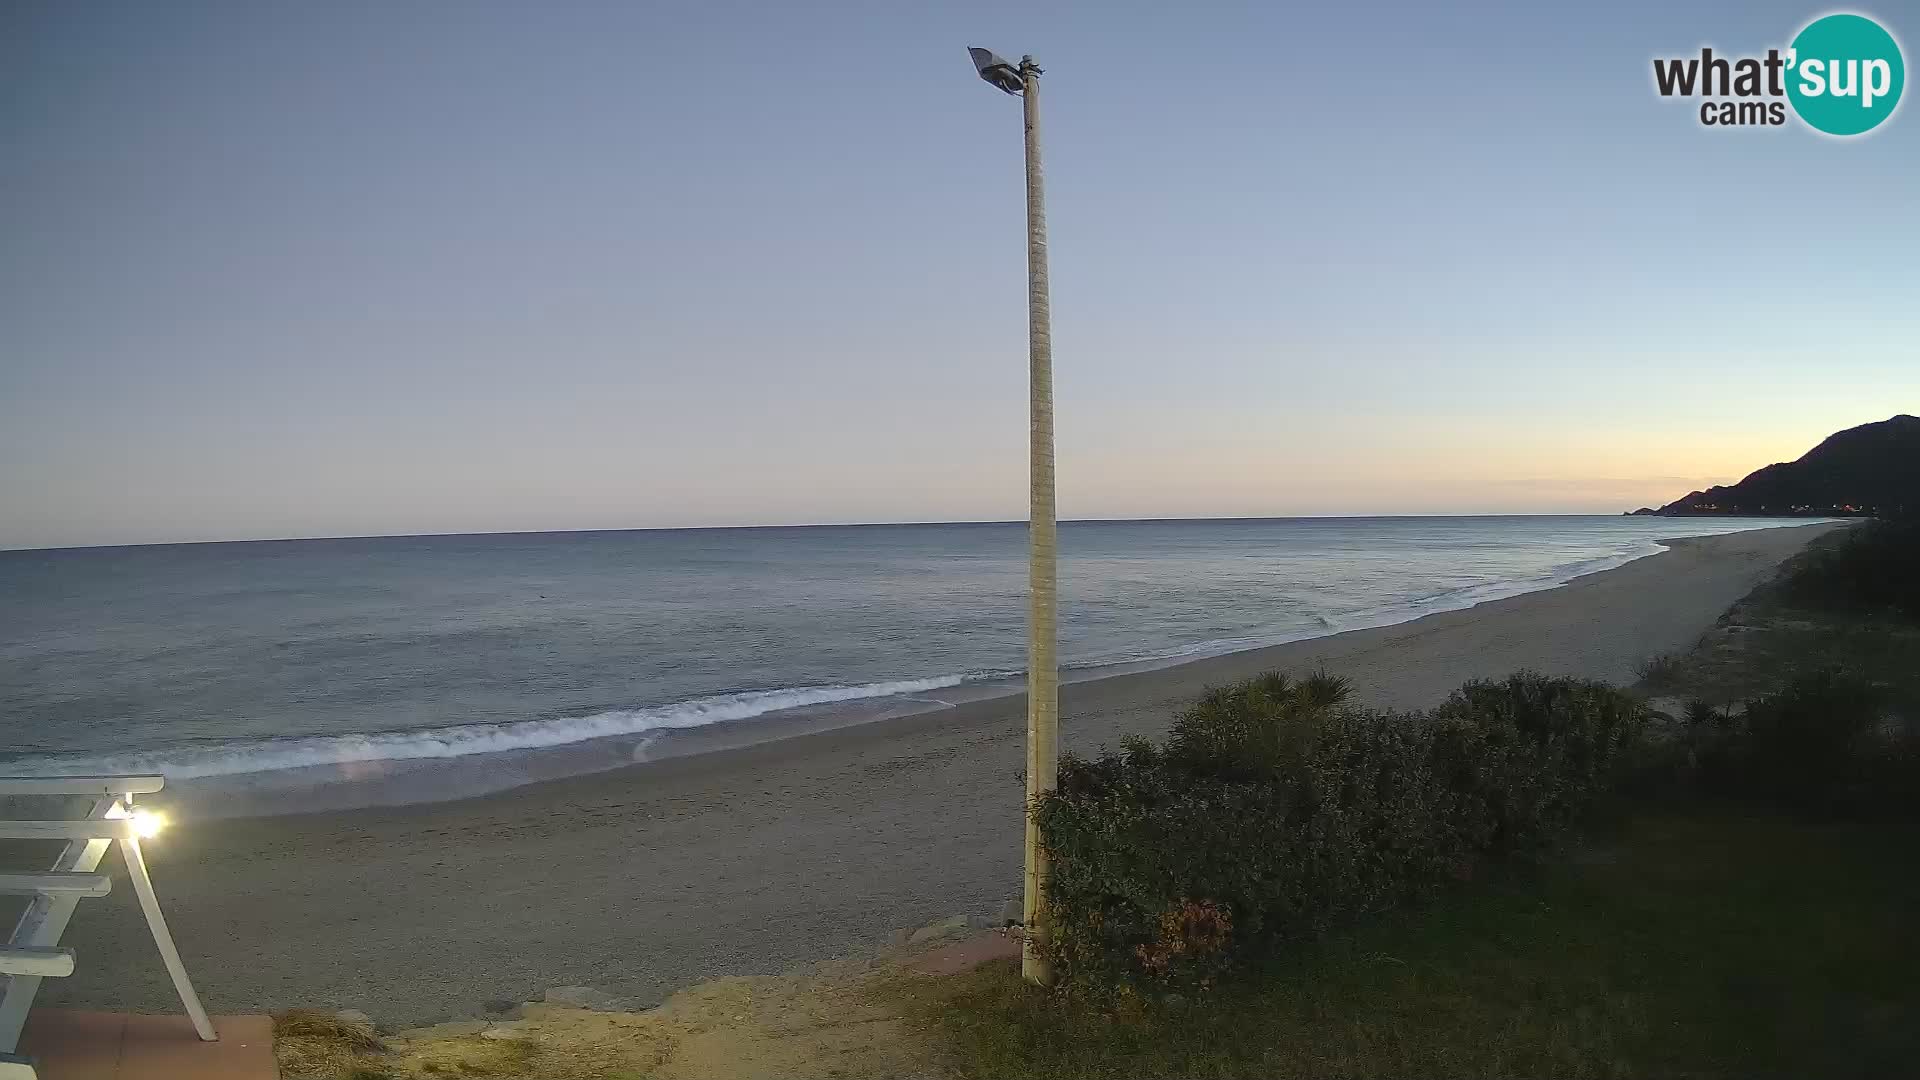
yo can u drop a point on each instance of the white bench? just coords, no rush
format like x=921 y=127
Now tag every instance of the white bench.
x=34 y=952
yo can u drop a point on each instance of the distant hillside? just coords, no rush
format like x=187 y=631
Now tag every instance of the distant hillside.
x=1870 y=469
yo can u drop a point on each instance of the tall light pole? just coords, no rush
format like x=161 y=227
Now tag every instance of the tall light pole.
x=1043 y=673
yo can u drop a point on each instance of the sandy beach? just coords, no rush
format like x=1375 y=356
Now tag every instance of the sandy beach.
x=647 y=879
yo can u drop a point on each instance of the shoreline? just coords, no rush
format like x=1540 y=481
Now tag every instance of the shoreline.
x=1240 y=662
x=762 y=858
x=413 y=766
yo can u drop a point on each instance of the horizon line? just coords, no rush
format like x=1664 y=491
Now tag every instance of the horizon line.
x=793 y=525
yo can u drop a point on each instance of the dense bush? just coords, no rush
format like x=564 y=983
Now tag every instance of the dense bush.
x=1827 y=743
x=1274 y=810
x=1256 y=729
x=1872 y=569
x=1534 y=752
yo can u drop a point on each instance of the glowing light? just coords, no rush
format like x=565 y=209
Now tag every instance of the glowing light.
x=148 y=824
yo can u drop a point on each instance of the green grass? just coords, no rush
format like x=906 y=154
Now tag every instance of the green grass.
x=1757 y=654
x=1680 y=943
x=1772 y=634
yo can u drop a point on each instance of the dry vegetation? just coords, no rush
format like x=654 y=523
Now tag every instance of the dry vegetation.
x=843 y=1020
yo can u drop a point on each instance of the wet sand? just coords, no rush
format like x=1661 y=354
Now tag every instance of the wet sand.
x=756 y=860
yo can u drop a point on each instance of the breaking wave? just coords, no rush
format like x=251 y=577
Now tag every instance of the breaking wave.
x=268 y=755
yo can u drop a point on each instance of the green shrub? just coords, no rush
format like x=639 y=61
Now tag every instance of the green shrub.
x=1274 y=811
x=1536 y=750
x=1826 y=743
x=1873 y=569
x=1260 y=728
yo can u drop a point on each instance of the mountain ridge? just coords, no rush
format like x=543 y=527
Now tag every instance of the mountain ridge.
x=1869 y=470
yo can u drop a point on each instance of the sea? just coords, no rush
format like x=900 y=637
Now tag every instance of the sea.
x=294 y=675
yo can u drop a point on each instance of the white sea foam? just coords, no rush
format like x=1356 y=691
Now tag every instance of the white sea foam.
x=1473 y=595
x=243 y=757
x=268 y=755
x=1401 y=611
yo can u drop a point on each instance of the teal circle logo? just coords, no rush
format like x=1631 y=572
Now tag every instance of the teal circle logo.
x=1845 y=74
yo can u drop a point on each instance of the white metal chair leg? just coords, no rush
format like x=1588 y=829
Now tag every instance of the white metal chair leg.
x=42 y=924
x=157 y=922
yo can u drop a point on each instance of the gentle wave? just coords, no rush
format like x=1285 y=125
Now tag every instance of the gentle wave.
x=1467 y=596
x=1455 y=599
x=272 y=755
x=269 y=755
x=1553 y=577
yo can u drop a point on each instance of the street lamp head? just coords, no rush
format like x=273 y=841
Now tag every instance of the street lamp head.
x=996 y=71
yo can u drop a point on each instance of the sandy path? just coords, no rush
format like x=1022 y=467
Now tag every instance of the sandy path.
x=755 y=861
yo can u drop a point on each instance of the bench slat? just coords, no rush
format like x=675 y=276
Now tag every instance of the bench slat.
x=47 y=963
x=81 y=785
x=49 y=883
x=104 y=829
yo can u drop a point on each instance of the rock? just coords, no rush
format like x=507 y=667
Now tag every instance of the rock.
x=586 y=997
x=899 y=938
x=1012 y=913
x=936 y=931
x=355 y=1017
x=502 y=1007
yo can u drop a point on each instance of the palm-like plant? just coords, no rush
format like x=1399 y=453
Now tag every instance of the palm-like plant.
x=1263 y=727
x=1701 y=715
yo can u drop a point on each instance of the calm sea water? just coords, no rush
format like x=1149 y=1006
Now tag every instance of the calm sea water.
x=237 y=660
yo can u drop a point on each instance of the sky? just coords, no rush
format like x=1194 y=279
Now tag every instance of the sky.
x=277 y=269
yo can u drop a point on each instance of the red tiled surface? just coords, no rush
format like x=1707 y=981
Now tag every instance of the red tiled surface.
x=75 y=1045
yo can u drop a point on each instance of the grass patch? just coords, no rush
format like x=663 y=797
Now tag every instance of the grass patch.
x=1789 y=626
x=1658 y=673
x=314 y=1044
x=1697 y=943
x=476 y=1057
x=1758 y=649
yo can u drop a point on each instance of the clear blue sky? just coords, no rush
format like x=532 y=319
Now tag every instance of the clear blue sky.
x=273 y=269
